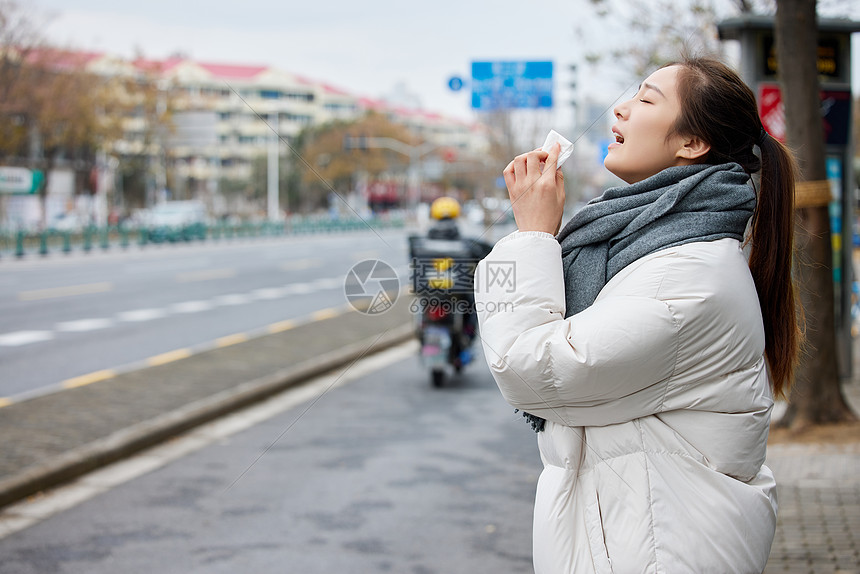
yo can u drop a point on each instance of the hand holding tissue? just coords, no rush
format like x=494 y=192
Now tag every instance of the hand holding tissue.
x=537 y=193
x=566 y=147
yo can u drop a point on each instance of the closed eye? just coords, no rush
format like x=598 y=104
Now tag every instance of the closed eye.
x=644 y=101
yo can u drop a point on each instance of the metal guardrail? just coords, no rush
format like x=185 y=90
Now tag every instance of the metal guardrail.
x=21 y=243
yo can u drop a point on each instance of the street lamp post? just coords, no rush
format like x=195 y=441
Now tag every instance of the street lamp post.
x=274 y=143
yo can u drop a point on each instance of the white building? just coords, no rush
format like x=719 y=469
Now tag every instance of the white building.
x=224 y=116
x=227 y=114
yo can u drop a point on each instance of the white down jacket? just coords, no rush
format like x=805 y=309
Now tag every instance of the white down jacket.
x=657 y=402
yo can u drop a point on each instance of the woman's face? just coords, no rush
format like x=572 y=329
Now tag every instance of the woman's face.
x=642 y=125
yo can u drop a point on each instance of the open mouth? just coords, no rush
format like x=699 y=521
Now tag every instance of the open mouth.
x=619 y=138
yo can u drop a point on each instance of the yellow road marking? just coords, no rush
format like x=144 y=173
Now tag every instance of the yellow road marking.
x=67 y=291
x=205 y=275
x=231 y=340
x=179 y=354
x=281 y=326
x=88 y=379
x=168 y=357
x=323 y=314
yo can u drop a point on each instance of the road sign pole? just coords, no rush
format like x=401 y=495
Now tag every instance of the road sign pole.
x=274 y=143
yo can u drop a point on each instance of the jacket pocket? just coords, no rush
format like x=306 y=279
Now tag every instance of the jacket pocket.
x=596 y=538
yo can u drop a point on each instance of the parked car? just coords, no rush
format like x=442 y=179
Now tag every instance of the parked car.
x=176 y=221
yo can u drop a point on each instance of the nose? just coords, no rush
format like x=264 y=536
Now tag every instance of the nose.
x=620 y=110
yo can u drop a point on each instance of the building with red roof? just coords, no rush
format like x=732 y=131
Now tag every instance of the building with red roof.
x=224 y=115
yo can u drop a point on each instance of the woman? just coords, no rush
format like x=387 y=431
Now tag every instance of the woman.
x=641 y=344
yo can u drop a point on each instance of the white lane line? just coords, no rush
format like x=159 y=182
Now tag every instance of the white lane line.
x=269 y=293
x=18 y=338
x=232 y=299
x=205 y=275
x=83 y=325
x=191 y=306
x=298 y=288
x=329 y=283
x=27 y=513
x=140 y=315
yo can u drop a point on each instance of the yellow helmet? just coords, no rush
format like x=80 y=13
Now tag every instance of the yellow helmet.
x=445 y=208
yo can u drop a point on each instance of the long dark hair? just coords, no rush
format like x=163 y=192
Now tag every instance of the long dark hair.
x=717 y=106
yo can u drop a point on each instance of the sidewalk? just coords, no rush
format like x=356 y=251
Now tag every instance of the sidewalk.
x=53 y=438
x=818 y=485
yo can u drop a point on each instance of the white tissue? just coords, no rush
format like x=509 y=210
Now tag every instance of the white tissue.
x=566 y=147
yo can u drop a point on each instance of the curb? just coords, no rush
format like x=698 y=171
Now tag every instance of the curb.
x=126 y=442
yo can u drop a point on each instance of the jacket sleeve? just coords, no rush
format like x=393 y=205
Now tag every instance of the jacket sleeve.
x=608 y=364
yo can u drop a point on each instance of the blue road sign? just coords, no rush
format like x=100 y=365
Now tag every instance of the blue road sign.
x=455 y=83
x=511 y=85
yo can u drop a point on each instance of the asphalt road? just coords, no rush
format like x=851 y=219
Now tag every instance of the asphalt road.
x=382 y=474
x=65 y=317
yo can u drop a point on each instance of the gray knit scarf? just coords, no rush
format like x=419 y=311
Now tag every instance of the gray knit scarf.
x=678 y=205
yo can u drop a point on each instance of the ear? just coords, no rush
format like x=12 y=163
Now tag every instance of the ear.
x=693 y=148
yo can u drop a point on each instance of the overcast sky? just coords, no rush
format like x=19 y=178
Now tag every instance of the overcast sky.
x=366 y=47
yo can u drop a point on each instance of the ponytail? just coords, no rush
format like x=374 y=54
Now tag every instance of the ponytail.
x=771 y=255
x=721 y=109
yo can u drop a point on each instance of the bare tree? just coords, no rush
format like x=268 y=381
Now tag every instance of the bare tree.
x=646 y=39
x=19 y=39
x=655 y=36
x=59 y=109
x=52 y=109
x=816 y=397
x=143 y=98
